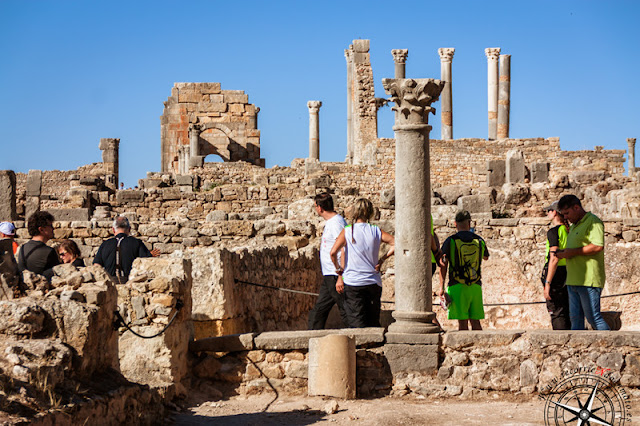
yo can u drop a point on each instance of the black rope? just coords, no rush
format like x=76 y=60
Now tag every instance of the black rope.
x=120 y=322
x=308 y=293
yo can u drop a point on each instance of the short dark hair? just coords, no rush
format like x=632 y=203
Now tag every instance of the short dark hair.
x=324 y=201
x=567 y=201
x=71 y=247
x=38 y=220
x=462 y=216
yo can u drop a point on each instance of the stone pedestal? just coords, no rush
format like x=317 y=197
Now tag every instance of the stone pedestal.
x=493 y=54
x=400 y=61
x=504 y=96
x=632 y=155
x=110 y=148
x=314 y=129
x=413 y=99
x=7 y=195
x=332 y=366
x=446 y=102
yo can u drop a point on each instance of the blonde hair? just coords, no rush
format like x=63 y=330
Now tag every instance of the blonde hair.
x=363 y=210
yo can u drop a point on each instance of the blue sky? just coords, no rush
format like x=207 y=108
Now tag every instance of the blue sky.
x=73 y=72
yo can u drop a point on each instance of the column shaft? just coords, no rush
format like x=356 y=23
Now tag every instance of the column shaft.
x=632 y=156
x=400 y=61
x=492 y=86
x=504 y=99
x=446 y=101
x=348 y=53
x=314 y=129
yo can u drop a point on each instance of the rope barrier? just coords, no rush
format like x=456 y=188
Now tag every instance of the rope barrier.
x=308 y=293
x=119 y=321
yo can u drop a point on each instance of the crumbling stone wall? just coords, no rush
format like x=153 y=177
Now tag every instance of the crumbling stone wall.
x=227 y=124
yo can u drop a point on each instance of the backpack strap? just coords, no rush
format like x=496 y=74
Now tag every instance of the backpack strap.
x=119 y=270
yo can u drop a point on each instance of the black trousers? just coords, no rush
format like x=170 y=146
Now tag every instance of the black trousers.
x=558 y=306
x=362 y=304
x=326 y=299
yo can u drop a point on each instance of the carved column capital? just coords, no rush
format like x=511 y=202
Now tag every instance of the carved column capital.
x=631 y=142
x=493 y=53
x=413 y=98
x=314 y=106
x=348 y=53
x=400 y=55
x=446 y=54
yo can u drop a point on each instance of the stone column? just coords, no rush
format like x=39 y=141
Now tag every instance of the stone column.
x=7 y=195
x=504 y=96
x=314 y=129
x=446 y=108
x=400 y=60
x=194 y=159
x=632 y=155
x=413 y=99
x=493 y=53
x=348 y=54
x=110 y=148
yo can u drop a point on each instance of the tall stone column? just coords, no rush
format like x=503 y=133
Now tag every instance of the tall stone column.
x=632 y=155
x=400 y=61
x=110 y=148
x=348 y=54
x=194 y=159
x=8 y=195
x=413 y=99
x=446 y=108
x=504 y=96
x=493 y=54
x=314 y=129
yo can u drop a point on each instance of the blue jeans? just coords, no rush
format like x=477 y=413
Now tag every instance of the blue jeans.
x=585 y=302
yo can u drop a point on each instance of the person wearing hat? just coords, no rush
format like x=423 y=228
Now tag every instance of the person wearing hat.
x=554 y=272
x=463 y=256
x=8 y=230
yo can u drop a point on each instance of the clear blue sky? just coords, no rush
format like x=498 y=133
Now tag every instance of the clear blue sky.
x=73 y=72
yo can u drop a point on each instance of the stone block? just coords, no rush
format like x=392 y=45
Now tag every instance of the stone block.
x=70 y=214
x=129 y=196
x=184 y=180
x=7 y=195
x=361 y=46
x=171 y=194
x=404 y=358
x=496 y=171
x=505 y=222
x=539 y=172
x=34 y=183
x=212 y=107
x=488 y=338
x=515 y=168
x=413 y=339
x=209 y=88
x=451 y=193
x=279 y=340
x=230 y=343
x=515 y=193
x=332 y=366
x=21 y=317
x=588 y=177
x=235 y=98
x=480 y=203
x=187 y=95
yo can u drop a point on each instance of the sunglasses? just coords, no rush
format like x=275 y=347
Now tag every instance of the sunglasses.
x=62 y=253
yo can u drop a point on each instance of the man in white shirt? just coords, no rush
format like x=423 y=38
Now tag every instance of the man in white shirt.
x=328 y=295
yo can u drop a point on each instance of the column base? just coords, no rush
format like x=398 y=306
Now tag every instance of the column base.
x=413 y=323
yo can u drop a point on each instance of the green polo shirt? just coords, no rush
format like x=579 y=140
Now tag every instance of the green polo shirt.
x=433 y=258
x=587 y=271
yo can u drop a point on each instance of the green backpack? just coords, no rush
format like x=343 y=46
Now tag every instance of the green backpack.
x=465 y=259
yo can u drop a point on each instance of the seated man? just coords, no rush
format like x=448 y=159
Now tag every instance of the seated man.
x=465 y=252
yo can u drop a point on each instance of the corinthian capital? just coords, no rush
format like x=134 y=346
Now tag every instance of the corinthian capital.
x=631 y=141
x=400 y=55
x=446 y=54
x=348 y=53
x=314 y=106
x=413 y=97
x=493 y=53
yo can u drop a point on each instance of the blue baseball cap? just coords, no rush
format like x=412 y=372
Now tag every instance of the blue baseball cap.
x=7 y=228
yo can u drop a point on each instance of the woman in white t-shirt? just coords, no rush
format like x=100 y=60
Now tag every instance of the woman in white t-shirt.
x=361 y=275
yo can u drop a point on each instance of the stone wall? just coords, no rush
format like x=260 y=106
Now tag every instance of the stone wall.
x=466 y=364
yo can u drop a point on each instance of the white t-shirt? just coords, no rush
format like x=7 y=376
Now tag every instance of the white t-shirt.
x=362 y=256
x=332 y=229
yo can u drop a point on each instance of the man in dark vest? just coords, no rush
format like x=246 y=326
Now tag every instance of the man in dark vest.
x=117 y=254
x=35 y=255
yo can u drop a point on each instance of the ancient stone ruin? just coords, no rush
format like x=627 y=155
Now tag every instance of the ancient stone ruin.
x=234 y=237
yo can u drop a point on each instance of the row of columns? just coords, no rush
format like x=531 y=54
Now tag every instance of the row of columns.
x=499 y=92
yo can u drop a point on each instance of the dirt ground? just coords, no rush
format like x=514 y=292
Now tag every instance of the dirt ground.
x=385 y=411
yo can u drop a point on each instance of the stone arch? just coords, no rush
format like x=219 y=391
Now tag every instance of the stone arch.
x=215 y=139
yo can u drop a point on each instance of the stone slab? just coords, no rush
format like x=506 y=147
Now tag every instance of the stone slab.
x=230 y=343
x=7 y=195
x=475 y=203
x=34 y=183
x=79 y=214
x=504 y=222
x=412 y=358
x=413 y=339
x=539 y=172
x=462 y=339
x=496 y=170
x=129 y=195
x=281 y=340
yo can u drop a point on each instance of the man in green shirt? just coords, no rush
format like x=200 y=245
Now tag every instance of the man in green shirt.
x=585 y=263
